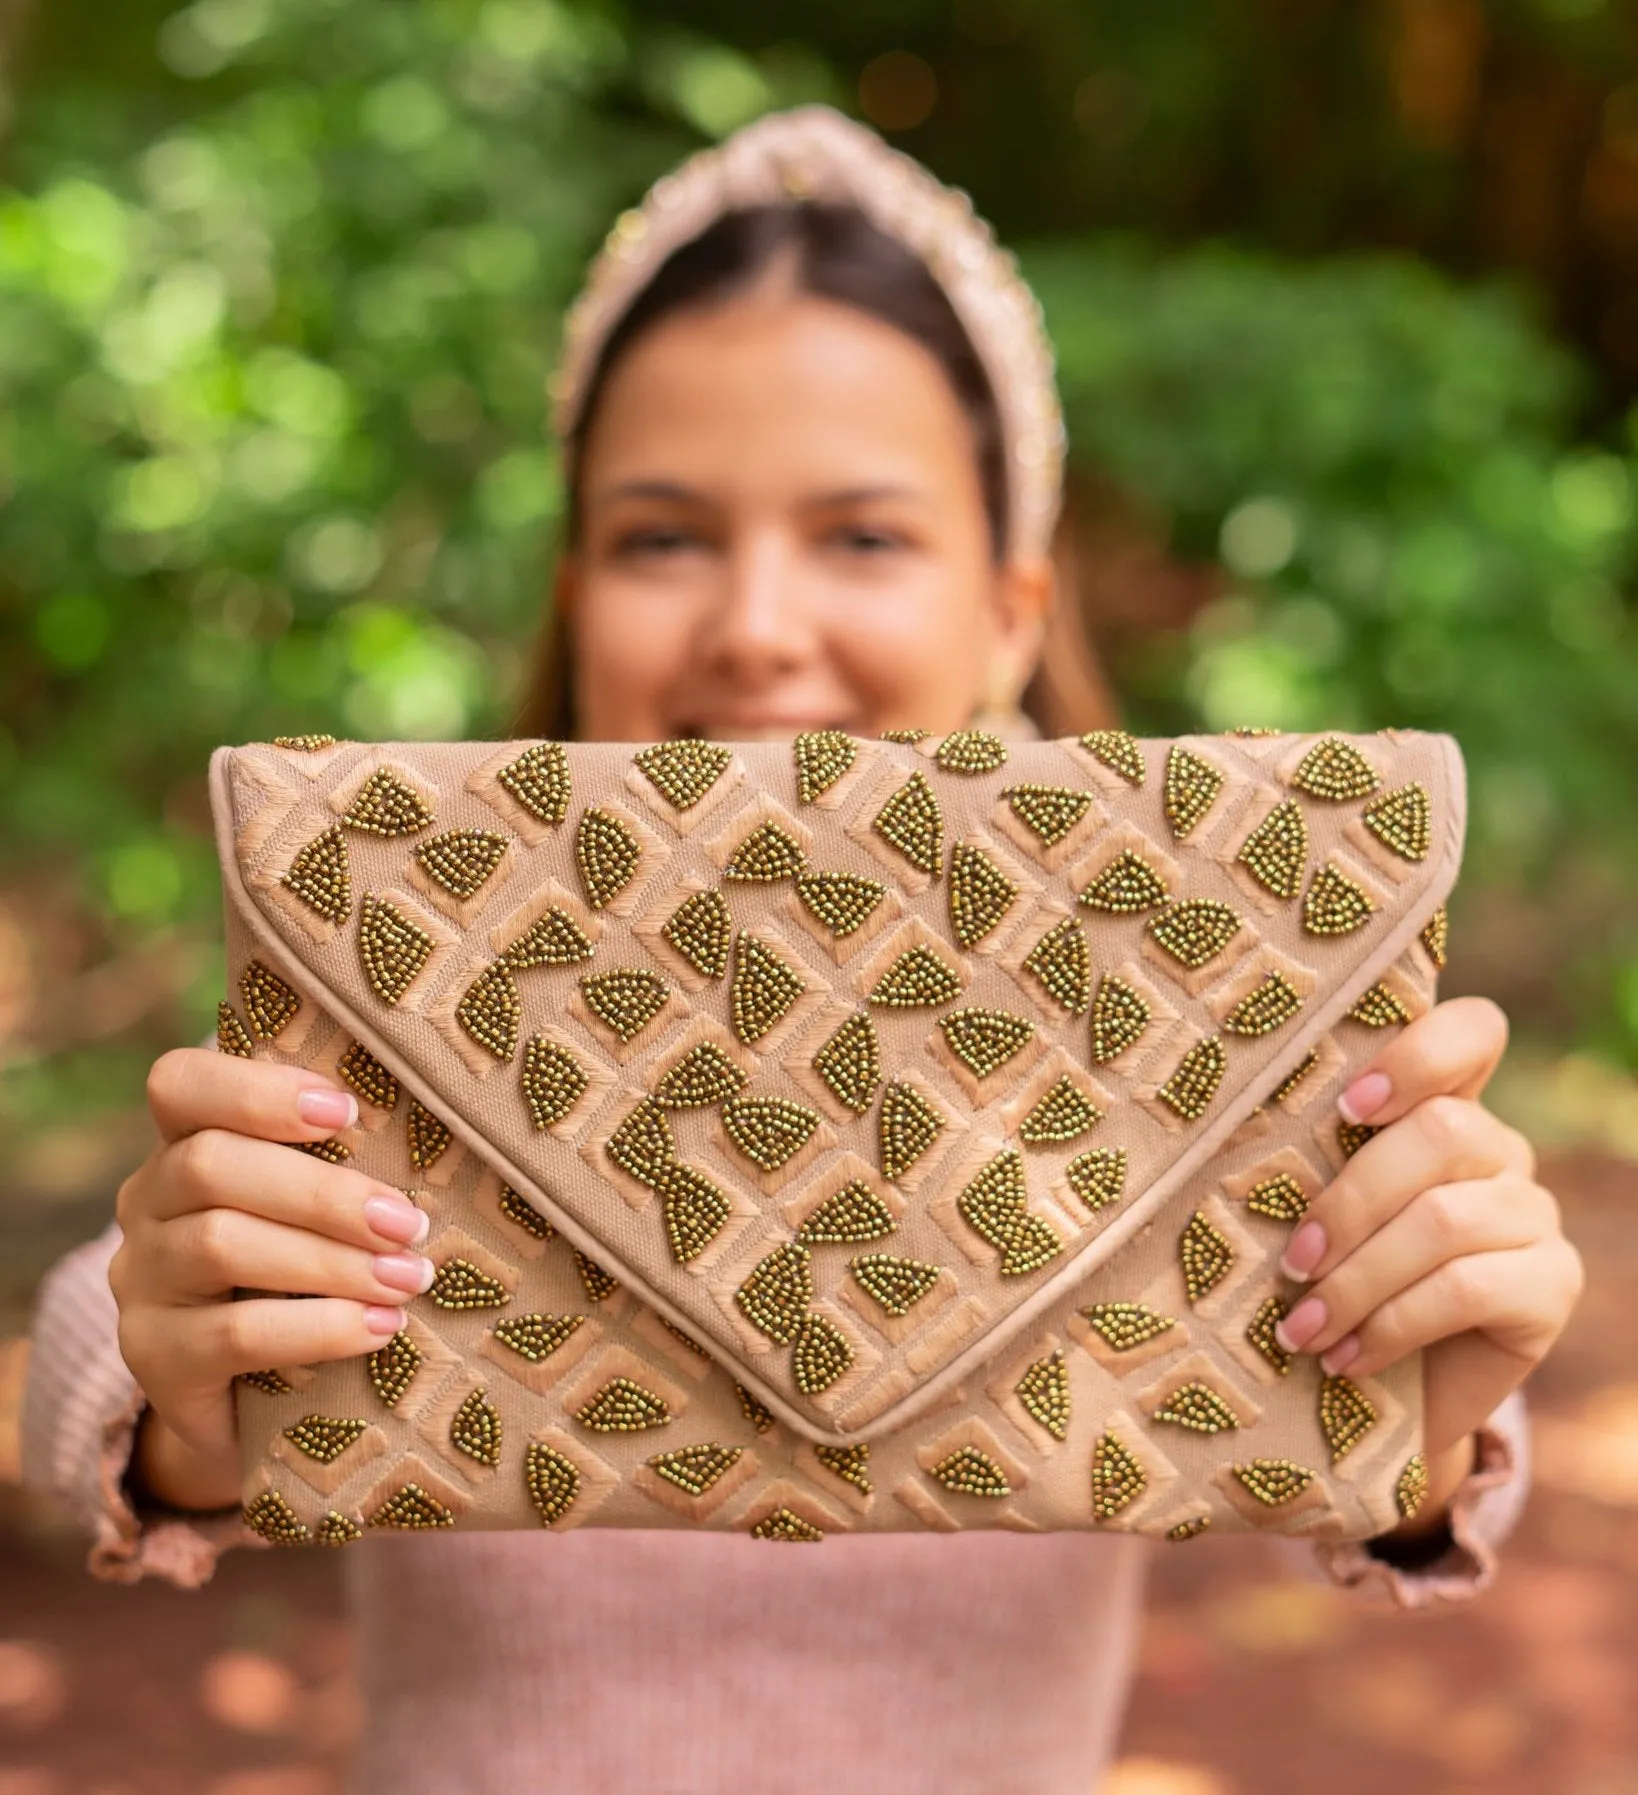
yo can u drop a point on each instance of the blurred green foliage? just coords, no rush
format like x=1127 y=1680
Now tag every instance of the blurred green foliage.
x=273 y=458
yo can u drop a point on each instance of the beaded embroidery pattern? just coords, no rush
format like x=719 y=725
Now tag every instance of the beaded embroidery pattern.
x=874 y=1081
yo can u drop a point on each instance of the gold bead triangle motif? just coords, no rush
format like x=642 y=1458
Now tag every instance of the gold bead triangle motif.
x=822 y=757
x=1049 y=812
x=1275 y=853
x=971 y=751
x=1063 y=965
x=461 y=861
x=554 y=1081
x=539 y=780
x=912 y=820
x=766 y=855
x=682 y=772
x=1191 y=788
x=1336 y=771
x=385 y=805
x=320 y=877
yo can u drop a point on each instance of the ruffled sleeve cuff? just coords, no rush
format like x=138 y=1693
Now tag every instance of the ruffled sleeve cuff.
x=1483 y=1511
x=80 y=1412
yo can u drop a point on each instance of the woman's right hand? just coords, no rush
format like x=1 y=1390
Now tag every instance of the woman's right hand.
x=221 y=1204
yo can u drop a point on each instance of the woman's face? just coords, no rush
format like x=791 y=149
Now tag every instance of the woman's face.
x=783 y=528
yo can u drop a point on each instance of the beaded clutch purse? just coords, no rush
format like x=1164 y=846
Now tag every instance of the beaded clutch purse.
x=839 y=1134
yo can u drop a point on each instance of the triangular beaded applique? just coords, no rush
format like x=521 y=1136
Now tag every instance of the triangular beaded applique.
x=606 y=853
x=536 y=1337
x=1191 y=789
x=841 y=901
x=909 y=1125
x=1063 y=964
x=1335 y=771
x=385 y=805
x=852 y=1214
x=1275 y=853
x=980 y=894
x=554 y=938
x=461 y=861
x=320 y=877
x=700 y=929
x=539 y=780
x=897 y=1284
x=1199 y=1408
x=554 y=1081
x=984 y=1040
x=393 y=949
x=1122 y=1326
x=1118 y=751
x=702 y=1077
x=552 y=1479
x=971 y=751
x=768 y=1130
x=694 y=1469
x=1049 y=812
x=491 y=1011
x=1127 y=885
x=820 y=1355
x=971 y=1472
x=850 y=1063
x=822 y=757
x=913 y=821
x=623 y=1405
x=1043 y=1392
x=682 y=772
x=767 y=854
x=1205 y=1255
x=918 y=978
x=1402 y=820
x=1061 y=1114
x=270 y=1004
x=1098 y=1177
x=625 y=1000
x=763 y=988
x=1270 y=1003
x=324 y=1438
x=476 y=1429
x=1119 y=1016
x=1334 y=904
x=1346 y=1415
x=1117 y=1477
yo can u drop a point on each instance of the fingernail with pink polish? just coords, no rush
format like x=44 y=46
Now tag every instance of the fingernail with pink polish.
x=1303 y=1252
x=1365 y=1096
x=396 y=1218
x=382 y=1320
x=403 y=1271
x=327 y=1109
x=1301 y=1325
x=1341 y=1356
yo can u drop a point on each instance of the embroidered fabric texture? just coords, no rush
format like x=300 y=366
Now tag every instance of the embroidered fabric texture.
x=839 y=1135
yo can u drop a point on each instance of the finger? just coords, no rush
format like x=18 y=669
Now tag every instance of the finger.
x=1517 y=1299
x=1452 y=1050
x=215 y=1169
x=1444 y=1140
x=186 y=1349
x=1449 y=1221
x=191 y=1088
x=213 y=1251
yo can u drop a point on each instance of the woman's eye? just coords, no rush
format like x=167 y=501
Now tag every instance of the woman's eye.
x=655 y=540
x=860 y=539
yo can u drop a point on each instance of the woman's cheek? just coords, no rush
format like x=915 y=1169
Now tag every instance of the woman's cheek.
x=916 y=649
x=628 y=646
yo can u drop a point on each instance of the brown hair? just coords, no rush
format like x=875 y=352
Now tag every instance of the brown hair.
x=836 y=253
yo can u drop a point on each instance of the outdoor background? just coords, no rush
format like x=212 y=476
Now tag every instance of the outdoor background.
x=1346 y=304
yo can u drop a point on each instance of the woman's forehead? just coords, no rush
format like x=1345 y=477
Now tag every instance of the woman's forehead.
x=779 y=389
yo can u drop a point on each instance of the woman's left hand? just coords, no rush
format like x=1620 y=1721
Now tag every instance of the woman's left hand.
x=1435 y=1234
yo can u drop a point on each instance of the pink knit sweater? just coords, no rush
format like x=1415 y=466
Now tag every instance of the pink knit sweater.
x=682 y=1664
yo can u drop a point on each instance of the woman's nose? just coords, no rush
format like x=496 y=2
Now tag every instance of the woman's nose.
x=761 y=621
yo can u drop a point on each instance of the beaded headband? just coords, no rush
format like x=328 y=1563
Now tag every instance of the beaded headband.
x=816 y=153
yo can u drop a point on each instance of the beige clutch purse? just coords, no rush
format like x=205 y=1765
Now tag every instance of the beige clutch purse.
x=839 y=1135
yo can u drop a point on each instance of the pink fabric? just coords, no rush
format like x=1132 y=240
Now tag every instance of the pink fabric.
x=675 y=1663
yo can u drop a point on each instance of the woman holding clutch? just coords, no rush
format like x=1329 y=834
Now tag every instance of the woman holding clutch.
x=813 y=454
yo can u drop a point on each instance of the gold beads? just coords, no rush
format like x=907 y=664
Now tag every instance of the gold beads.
x=908 y=1126
x=1346 y=1415
x=1334 y=904
x=912 y=820
x=897 y=1284
x=1279 y=1197
x=626 y=999
x=385 y=805
x=1195 y=930
x=1118 y=750
x=700 y=929
x=1122 y=1326
x=704 y=1076
x=412 y=1509
x=1062 y=963
x=822 y=757
x=1126 y=886
x=476 y=1429
x=1098 y=1177
x=785 y=1524
x=917 y=979
x=1117 y=1477
x=840 y=901
x=553 y=1081
x=231 y=1037
x=606 y=853
x=850 y=1463
x=820 y=1355
x=554 y=938
x=980 y=894
x=768 y=1130
x=270 y=1004
x=1260 y=1333
x=1402 y=820
x=552 y=1480
x=1043 y=1393
x=536 y=1337
x=428 y=1137
x=694 y=1208
x=969 y=1472
x=1192 y=1086
x=694 y=1469
x=320 y=877
x=1063 y=1113
x=1275 y=853
x=275 y=1520
x=365 y=1075
x=850 y=1063
x=392 y=1367
x=459 y=1284
x=539 y=780
x=766 y=855
x=491 y=1011
x=1411 y=1491
x=1205 y=1256
x=682 y=772
x=1120 y=1014
x=393 y=948
x=1049 y=812
x=323 y=1438
x=984 y=1039
x=852 y=1214
x=1269 y=1005
x=1199 y=1408
x=623 y=1406
x=775 y=1297
x=762 y=990
x=971 y=751
x=1380 y=1007
x=1336 y=771
x=1191 y=789
x=1273 y=1481
x=461 y=861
